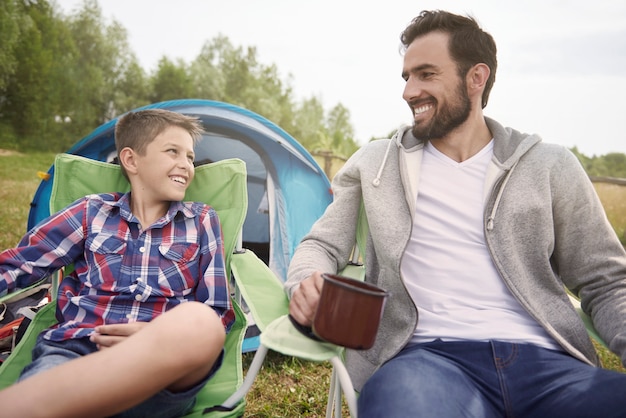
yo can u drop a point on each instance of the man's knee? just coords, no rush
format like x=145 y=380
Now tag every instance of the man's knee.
x=419 y=380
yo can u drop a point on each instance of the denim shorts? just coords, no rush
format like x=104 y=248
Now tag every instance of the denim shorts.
x=48 y=354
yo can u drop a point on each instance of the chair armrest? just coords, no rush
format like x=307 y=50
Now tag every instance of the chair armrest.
x=265 y=296
x=261 y=290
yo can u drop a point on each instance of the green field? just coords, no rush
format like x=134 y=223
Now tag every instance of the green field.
x=285 y=387
x=613 y=198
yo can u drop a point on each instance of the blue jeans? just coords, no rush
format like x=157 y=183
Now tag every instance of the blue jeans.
x=48 y=354
x=490 y=379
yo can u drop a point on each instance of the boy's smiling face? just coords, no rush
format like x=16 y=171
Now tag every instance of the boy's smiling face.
x=166 y=169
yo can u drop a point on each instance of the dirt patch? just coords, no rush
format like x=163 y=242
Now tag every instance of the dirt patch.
x=7 y=152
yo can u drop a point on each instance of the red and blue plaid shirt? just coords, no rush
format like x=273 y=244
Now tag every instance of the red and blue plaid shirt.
x=122 y=273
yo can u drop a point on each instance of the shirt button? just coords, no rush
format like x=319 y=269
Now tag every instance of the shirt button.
x=138 y=297
x=129 y=316
x=142 y=250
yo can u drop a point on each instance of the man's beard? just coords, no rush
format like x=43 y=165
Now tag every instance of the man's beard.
x=447 y=118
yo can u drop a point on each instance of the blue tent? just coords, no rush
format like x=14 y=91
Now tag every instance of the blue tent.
x=287 y=190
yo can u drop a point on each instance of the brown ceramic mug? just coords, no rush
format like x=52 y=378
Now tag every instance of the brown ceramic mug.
x=349 y=312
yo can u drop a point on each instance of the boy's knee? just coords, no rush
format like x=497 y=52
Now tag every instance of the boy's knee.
x=198 y=329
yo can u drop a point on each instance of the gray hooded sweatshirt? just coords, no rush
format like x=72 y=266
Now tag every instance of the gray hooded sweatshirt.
x=544 y=226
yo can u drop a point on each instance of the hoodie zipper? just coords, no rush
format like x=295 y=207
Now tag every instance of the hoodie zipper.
x=492 y=216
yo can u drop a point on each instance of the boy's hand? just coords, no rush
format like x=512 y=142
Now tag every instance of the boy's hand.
x=108 y=335
x=305 y=299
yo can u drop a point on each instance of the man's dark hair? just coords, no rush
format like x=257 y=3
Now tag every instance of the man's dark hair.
x=468 y=43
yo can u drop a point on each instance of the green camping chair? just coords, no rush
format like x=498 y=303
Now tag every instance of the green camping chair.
x=269 y=305
x=223 y=186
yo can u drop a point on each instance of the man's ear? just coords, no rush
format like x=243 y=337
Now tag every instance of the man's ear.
x=128 y=160
x=477 y=77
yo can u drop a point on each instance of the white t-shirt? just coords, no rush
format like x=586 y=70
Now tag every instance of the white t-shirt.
x=447 y=267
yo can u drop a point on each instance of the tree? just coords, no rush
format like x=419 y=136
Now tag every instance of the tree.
x=63 y=76
x=205 y=73
x=132 y=89
x=171 y=81
x=11 y=21
x=609 y=165
x=616 y=164
x=125 y=79
x=234 y=75
x=309 y=126
x=102 y=65
x=34 y=92
x=331 y=135
x=341 y=131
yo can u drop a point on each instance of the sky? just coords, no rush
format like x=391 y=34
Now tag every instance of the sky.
x=561 y=64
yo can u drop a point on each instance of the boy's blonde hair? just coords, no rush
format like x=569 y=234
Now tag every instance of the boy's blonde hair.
x=136 y=130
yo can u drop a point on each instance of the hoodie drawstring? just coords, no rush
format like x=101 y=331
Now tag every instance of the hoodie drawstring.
x=376 y=181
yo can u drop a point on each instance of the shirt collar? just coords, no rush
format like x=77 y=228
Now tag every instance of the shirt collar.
x=185 y=208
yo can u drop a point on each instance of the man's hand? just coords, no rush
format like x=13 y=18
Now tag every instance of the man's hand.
x=108 y=335
x=305 y=299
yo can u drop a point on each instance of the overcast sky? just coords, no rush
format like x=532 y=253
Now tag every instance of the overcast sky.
x=561 y=64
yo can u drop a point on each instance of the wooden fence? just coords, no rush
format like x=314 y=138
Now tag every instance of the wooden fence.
x=611 y=180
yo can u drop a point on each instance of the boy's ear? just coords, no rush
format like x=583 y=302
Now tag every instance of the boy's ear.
x=128 y=160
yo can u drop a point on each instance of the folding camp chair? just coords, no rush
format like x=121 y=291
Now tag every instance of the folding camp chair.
x=268 y=302
x=221 y=185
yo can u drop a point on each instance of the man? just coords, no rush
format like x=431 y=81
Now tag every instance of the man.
x=476 y=231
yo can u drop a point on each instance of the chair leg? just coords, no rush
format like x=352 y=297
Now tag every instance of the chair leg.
x=346 y=385
x=337 y=400
x=332 y=395
x=340 y=381
x=253 y=371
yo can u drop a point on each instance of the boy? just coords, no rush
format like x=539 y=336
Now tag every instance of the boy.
x=144 y=314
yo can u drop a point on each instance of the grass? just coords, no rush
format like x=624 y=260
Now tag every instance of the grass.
x=613 y=198
x=18 y=183
x=289 y=387
x=286 y=386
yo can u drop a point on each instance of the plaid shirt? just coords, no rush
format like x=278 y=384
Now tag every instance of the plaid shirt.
x=122 y=273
